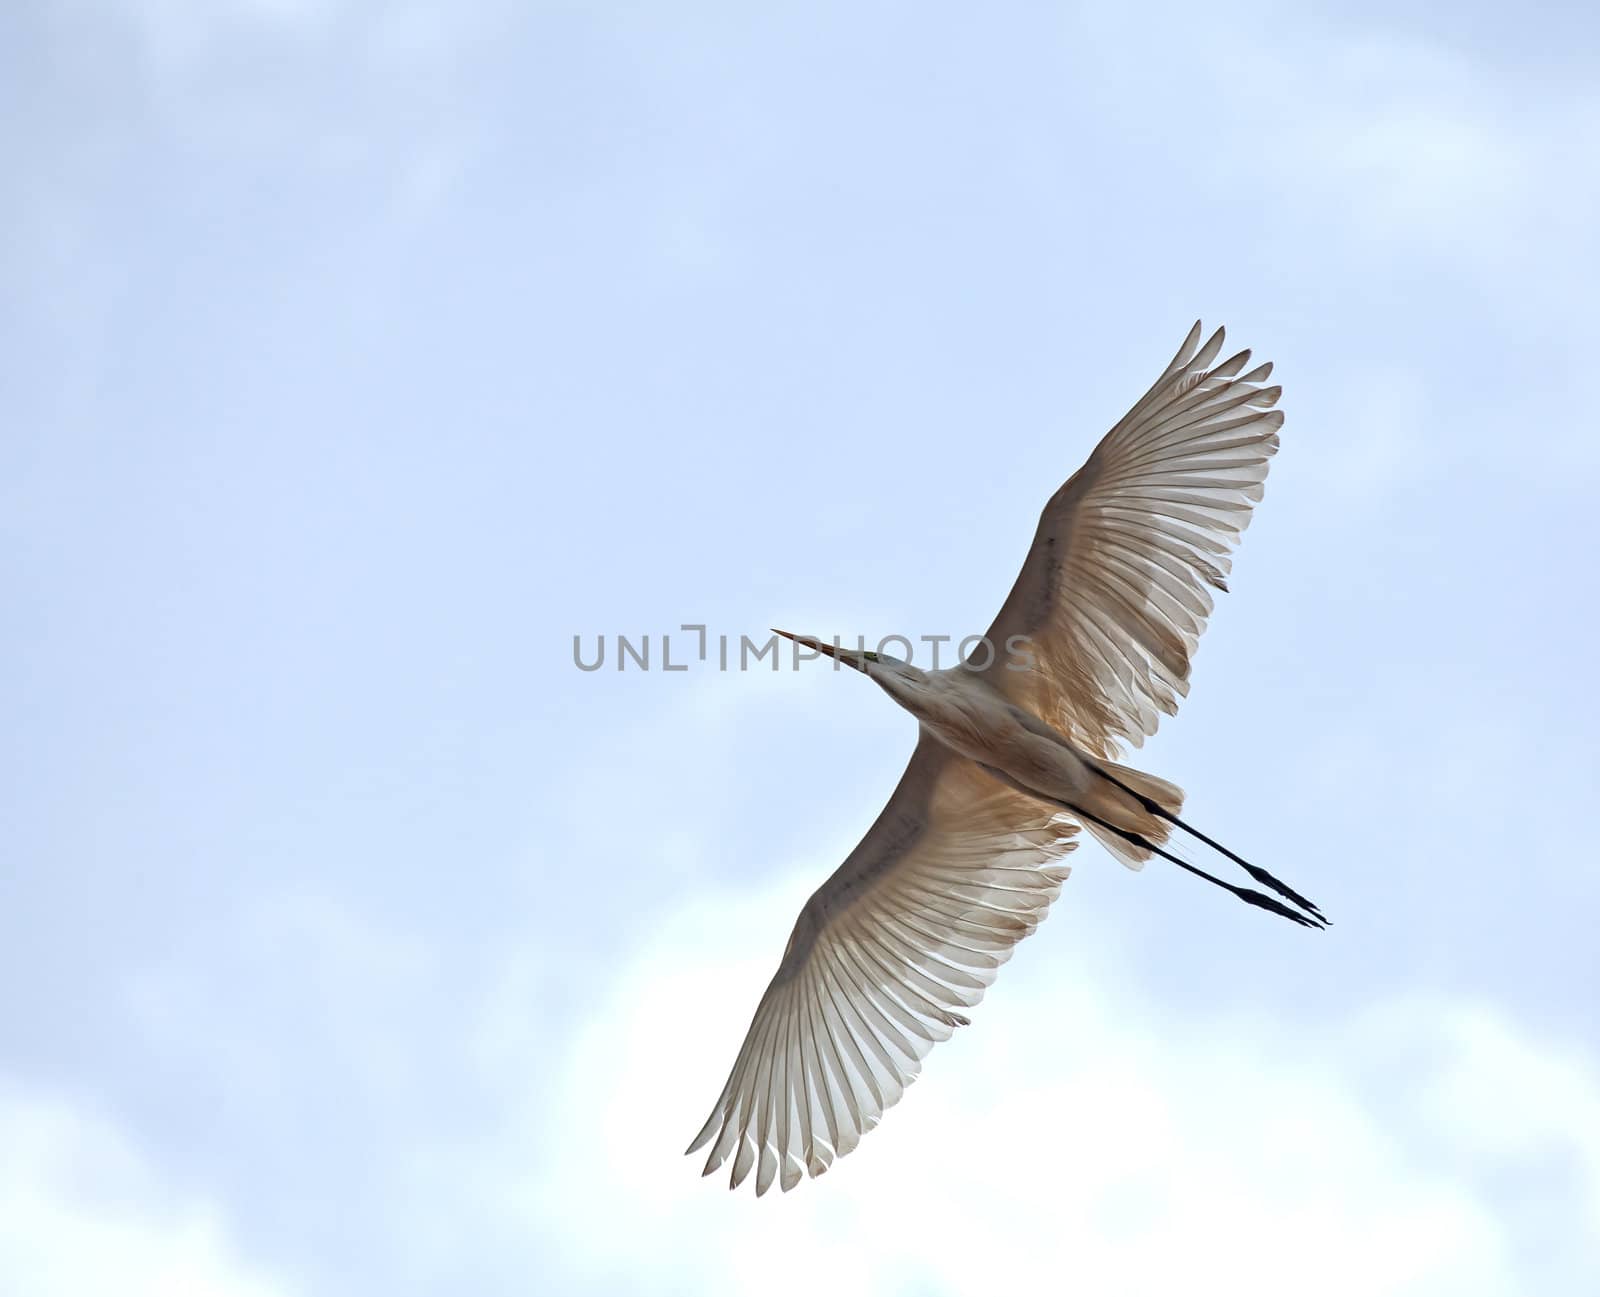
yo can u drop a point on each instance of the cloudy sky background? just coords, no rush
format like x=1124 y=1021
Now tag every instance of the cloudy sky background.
x=357 y=356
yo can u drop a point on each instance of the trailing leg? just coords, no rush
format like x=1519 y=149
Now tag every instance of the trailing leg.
x=1260 y=875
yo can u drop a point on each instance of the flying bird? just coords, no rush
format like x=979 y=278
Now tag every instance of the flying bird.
x=1012 y=758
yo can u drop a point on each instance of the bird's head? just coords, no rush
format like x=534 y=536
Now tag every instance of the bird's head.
x=890 y=672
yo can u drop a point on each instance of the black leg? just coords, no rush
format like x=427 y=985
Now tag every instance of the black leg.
x=1245 y=894
x=1260 y=875
x=1248 y=895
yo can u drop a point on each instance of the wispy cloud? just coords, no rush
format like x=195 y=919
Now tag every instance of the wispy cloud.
x=82 y=1211
x=363 y=349
x=1078 y=1130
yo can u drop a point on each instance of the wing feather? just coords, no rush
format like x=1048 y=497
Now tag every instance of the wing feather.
x=909 y=932
x=1116 y=589
x=883 y=961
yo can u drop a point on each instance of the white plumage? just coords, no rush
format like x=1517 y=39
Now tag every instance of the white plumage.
x=964 y=861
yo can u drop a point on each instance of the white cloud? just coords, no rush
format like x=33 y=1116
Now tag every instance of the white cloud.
x=1413 y=144
x=358 y=986
x=1075 y=1135
x=82 y=1214
x=1419 y=147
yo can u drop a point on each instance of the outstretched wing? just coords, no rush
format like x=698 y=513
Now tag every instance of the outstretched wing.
x=886 y=955
x=1113 y=594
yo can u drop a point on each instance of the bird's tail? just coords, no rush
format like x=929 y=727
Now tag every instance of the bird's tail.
x=1120 y=811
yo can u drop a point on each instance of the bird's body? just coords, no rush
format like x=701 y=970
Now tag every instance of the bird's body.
x=960 y=709
x=1010 y=762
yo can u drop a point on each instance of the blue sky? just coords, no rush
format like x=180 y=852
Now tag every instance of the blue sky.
x=361 y=355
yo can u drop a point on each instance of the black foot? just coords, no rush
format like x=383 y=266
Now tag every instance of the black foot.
x=1262 y=901
x=1284 y=890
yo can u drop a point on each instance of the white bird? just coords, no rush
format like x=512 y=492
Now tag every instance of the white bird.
x=907 y=934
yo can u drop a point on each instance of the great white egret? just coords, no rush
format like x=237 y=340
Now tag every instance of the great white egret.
x=961 y=864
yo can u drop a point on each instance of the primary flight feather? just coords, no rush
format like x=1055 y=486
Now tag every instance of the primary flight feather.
x=963 y=862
